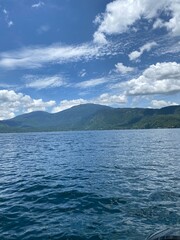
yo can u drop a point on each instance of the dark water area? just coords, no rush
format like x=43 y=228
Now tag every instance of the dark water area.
x=113 y=185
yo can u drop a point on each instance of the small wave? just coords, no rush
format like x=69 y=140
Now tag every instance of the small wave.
x=160 y=195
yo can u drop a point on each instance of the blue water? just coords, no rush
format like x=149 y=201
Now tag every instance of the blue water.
x=110 y=185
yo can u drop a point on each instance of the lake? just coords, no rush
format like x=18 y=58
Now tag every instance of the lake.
x=112 y=185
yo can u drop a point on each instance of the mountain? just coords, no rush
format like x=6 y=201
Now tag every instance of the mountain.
x=94 y=117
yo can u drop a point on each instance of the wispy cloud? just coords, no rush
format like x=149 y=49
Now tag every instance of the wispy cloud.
x=167 y=45
x=43 y=29
x=38 y=5
x=7 y=86
x=105 y=80
x=43 y=82
x=145 y=48
x=92 y=83
x=9 y=22
x=82 y=73
x=36 y=57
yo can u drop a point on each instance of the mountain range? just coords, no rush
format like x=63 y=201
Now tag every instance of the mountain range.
x=94 y=117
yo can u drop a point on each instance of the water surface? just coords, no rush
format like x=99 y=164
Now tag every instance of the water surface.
x=89 y=185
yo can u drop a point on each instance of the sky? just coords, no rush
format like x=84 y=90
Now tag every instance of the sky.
x=55 y=54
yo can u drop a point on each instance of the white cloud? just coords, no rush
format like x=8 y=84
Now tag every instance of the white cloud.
x=44 y=81
x=108 y=99
x=36 y=57
x=134 y=55
x=103 y=99
x=98 y=19
x=12 y=103
x=120 y=68
x=158 y=23
x=9 y=22
x=65 y=104
x=108 y=79
x=161 y=78
x=120 y=15
x=39 y=104
x=82 y=73
x=162 y=103
x=147 y=47
x=173 y=25
x=5 y=11
x=38 y=5
x=168 y=46
x=117 y=17
x=91 y=83
x=5 y=86
x=99 y=38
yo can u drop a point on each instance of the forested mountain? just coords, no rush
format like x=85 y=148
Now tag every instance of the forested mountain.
x=94 y=117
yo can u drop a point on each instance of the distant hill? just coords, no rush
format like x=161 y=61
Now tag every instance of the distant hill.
x=94 y=117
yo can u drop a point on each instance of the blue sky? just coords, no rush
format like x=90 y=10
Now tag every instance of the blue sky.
x=56 y=54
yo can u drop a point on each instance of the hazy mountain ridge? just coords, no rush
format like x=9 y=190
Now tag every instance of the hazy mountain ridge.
x=94 y=117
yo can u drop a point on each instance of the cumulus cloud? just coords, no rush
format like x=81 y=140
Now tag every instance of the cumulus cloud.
x=36 y=57
x=173 y=25
x=103 y=99
x=145 y=48
x=162 y=103
x=65 y=104
x=99 y=38
x=117 y=17
x=44 y=81
x=158 y=23
x=161 y=78
x=108 y=99
x=12 y=103
x=121 y=68
x=120 y=15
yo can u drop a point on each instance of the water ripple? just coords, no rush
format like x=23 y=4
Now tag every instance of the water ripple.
x=89 y=185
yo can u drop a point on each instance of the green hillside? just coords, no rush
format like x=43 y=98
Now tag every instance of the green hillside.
x=94 y=117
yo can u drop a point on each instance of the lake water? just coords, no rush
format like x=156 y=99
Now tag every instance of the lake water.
x=113 y=185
